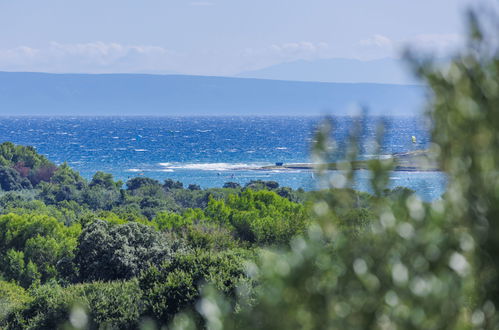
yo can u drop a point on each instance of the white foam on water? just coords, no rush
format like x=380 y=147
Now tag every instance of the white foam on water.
x=212 y=166
x=378 y=156
x=285 y=171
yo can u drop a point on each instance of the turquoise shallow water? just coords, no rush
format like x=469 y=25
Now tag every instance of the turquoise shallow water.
x=210 y=151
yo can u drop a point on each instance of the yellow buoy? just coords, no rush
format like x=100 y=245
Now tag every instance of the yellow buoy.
x=413 y=139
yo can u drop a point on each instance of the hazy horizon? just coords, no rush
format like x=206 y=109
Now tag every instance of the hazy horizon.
x=218 y=37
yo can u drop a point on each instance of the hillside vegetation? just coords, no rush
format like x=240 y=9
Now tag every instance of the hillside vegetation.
x=123 y=252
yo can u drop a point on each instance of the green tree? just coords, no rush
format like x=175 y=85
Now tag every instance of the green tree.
x=11 y=154
x=140 y=182
x=32 y=246
x=105 y=180
x=171 y=184
x=262 y=217
x=109 y=252
x=10 y=179
x=12 y=297
x=65 y=175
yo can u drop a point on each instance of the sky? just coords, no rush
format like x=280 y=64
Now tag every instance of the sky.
x=217 y=37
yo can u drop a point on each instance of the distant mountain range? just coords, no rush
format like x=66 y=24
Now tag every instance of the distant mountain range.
x=385 y=71
x=161 y=95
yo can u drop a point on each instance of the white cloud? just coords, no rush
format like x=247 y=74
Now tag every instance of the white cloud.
x=289 y=49
x=377 y=40
x=256 y=58
x=104 y=57
x=379 y=46
x=438 y=43
x=94 y=57
x=299 y=48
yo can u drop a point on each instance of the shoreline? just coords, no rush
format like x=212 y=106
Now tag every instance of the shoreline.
x=412 y=161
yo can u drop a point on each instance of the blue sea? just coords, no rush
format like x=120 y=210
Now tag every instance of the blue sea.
x=210 y=151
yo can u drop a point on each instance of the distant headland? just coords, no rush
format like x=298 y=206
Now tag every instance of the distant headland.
x=24 y=93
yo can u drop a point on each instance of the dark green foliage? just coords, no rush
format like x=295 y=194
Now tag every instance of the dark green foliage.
x=288 y=193
x=171 y=184
x=191 y=199
x=194 y=187
x=198 y=231
x=260 y=184
x=111 y=305
x=186 y=199
x=66 y=176
x=100 y=198
x=232 y=185
x=110 y=252
x=67 y=212
x=167 y=294
x=210 y=237
x=140 y=182
x=65 y=185
x=16 y=198
x=10 y=179
x=176 y=285
x=11 y=154
x=149 y=195
x=129 y=212
x=105 y=180
x=27 y=162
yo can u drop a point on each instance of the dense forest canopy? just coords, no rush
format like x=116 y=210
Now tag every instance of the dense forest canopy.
x=145 y=242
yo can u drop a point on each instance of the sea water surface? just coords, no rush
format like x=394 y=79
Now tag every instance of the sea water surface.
x=210 y=151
